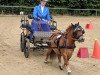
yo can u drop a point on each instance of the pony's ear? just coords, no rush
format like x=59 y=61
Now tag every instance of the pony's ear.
x=72 y=24
x=78 y=23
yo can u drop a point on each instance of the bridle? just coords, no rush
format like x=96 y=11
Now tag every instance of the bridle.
x=75 y=29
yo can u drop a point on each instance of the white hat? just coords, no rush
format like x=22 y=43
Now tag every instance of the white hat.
x=44 y=0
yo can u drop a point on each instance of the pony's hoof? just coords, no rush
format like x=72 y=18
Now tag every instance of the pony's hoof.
x=60 y=67
x=45 y=61
x=69 y=73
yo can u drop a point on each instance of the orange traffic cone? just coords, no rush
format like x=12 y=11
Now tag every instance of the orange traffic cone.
x=96 y=52
x=89 y=26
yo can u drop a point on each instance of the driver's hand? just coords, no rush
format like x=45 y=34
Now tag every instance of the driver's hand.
x=38 y=18
x=49 y=22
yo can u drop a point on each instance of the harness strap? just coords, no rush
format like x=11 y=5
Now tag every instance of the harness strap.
x=57 y=41
x=71 y=47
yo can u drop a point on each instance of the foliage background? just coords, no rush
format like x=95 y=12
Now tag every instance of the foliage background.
x=72 y=4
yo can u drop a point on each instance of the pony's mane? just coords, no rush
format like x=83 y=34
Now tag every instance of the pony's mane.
x=69 y=28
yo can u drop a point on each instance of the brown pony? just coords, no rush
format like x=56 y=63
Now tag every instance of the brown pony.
x=63 y=44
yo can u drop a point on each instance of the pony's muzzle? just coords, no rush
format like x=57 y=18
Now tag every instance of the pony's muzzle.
x=81 y=39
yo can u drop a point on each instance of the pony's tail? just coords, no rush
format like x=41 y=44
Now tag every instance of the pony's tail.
x=52 y=55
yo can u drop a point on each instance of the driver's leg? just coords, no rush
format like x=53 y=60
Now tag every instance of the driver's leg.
x=45 y=26
x=34 y=27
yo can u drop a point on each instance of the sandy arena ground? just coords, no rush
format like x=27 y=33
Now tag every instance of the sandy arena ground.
x=13 y=62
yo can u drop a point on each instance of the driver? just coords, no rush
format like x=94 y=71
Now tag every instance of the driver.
x=41 y=17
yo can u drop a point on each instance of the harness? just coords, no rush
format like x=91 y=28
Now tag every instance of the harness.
x=63 y=35
x=64 y=45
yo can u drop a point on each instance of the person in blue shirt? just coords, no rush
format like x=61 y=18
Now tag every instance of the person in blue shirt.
x=41 y=17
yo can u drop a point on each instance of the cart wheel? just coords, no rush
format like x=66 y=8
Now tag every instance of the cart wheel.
x=27 y=48
x=22 y=42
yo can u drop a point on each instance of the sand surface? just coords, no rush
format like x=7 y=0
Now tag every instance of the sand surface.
x=13 y=62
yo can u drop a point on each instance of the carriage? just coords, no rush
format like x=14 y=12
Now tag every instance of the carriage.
x=58 y=43
x=40 y=39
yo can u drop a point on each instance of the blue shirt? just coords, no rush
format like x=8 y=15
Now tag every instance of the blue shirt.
x=38 y=13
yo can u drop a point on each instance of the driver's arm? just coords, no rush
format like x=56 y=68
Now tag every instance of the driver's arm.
x=35 y=12
x=48 y=15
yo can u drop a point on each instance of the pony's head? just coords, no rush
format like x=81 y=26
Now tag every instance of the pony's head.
x=77 y=32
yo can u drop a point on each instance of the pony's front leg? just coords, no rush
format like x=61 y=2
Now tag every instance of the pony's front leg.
x=47 y=55
x=59 y=61
x=68 y=69
x=69 y=55
x=59 y=58
x=66 y=61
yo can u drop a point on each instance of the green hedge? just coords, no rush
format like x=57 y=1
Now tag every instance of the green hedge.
x=73 y=4
x=52 y=11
